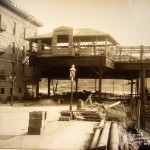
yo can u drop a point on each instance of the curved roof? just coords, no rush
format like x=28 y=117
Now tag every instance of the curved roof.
x=82 y=32
x=88 y=32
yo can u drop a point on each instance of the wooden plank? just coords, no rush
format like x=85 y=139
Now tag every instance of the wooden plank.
x=64 y=118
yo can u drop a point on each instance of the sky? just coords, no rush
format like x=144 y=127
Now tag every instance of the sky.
x=128 y=21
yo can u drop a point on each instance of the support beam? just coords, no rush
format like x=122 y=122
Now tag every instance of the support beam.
x=100 y=83
x=142 y=96
x=37 y=89
x=131 y=96
x=141 y=52
x=106 y=46
x=95 y=85
x=49 y=87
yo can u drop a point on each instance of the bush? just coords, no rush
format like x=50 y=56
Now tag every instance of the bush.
x=15 y=98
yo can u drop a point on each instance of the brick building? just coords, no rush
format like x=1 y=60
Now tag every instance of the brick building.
x=15 y=26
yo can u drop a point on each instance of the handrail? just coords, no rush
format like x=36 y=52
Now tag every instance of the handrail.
x=116 y=53
x=133 y=53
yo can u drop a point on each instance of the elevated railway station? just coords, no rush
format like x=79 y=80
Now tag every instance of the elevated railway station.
x=95 y=54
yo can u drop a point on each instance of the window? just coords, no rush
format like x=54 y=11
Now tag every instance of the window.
x=24 y=32
x=14 y=27
x=2 y=91
x=2 y=77
x=20 y=90
x=13 y=48
x=2 y=24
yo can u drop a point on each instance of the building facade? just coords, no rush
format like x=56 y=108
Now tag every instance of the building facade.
x=15 y=26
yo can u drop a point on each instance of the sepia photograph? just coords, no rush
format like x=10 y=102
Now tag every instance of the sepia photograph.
x=74 y=75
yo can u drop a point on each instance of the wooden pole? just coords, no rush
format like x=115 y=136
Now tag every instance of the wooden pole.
x=100 y=83
x=102 y=143
x=37 y=89
x=142 y=96
x=95 y=85
x=141 y=52
x=97 y=134
x=138 y=114
x=12 y=92
x=113 y=89
x=114 y=137
x=131 y=96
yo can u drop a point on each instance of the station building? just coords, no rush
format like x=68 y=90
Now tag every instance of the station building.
x=15 y=26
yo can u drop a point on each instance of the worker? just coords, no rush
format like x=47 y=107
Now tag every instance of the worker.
x=89 y=98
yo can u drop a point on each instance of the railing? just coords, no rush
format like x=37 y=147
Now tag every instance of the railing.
x=133 y=53
x=70 y=52
x=63 y=52
x=120 y=53
x=111 y=54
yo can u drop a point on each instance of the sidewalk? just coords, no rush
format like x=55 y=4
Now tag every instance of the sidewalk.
x=59 y=135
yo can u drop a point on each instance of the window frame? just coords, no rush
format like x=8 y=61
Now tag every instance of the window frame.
x=2 y=90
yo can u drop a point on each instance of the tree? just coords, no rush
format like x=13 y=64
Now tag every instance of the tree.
x=20 y=30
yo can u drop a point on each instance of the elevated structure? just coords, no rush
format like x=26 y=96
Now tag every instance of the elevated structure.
x=96 y=55
x=83 y=47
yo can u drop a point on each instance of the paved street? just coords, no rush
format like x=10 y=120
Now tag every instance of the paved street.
x=59 y=135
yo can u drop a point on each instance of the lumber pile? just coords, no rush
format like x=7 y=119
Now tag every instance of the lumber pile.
x=106 y=136
x=66 y=115
x=87 y=115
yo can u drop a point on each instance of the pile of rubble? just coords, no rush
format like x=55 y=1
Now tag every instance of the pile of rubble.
x=115 y=130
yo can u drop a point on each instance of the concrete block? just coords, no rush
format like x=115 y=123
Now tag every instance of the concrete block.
x=35 y=131
x=67 y=113
x=37 y=123
x=37 y=115
x=64 y=118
